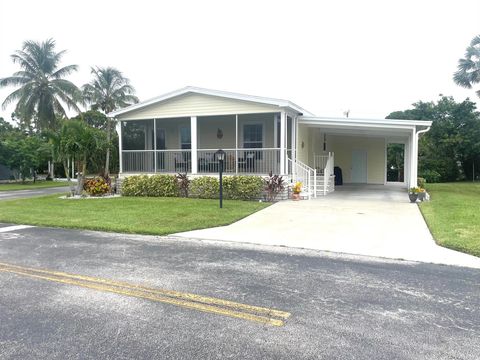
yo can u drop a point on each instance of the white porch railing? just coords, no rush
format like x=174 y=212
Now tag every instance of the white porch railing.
x=237 y=161
x=304 y=174
x=328 y=172
x=320 y=161
x=151 y=161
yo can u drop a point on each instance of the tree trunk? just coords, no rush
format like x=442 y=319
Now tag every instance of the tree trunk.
x=107 y=159
x=69 y=179
x=81 y=175
x=52 y=169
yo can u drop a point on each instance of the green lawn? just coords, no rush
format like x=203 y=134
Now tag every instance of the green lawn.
x=453 y=215
x=30 y=185
x=157 y=216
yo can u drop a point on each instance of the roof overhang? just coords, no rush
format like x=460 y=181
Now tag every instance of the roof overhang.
x=282 y=104
x=378 y=127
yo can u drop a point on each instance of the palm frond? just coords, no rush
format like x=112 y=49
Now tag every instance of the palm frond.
x=14 y=96
x=13 y=81
x=66 y=70
x=475 y=41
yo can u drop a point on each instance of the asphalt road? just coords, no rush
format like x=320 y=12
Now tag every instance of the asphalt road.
x=342 y=307
x=19 y=194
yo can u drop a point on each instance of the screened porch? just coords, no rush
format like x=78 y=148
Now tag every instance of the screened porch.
x=252 y=143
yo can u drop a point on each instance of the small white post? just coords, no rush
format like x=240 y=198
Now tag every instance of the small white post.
x=120 y=146
x=193 y=136
x=283 y=120
x=236 y=144
x=155 y=145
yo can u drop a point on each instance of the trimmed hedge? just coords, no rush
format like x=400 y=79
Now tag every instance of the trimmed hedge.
x=204 y=187
x=240 y=187
x=155 y=185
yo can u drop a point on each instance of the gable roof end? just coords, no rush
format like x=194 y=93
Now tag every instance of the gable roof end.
x=196 y=90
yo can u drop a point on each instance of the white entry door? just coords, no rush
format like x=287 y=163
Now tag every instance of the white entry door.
x=359 y=166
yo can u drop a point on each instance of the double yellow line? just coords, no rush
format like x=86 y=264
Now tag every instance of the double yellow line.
x=191 y=301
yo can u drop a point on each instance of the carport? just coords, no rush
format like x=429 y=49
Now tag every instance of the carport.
x=360 y=146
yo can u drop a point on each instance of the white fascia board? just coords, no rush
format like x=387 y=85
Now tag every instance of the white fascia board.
x=192 y=89
x=362 y=122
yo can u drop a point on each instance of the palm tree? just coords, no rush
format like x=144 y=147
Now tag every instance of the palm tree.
x=42 y=90
x=468 y=72
x=109 y=90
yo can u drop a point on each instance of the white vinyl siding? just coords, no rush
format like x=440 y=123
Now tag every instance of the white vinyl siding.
x=198 y=105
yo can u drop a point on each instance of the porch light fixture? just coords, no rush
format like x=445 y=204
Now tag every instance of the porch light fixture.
x=221 y=158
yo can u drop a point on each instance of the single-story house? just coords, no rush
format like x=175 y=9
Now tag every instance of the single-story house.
x=181 y=131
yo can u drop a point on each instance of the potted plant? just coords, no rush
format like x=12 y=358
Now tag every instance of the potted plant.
x=422 y=193
x=413 y=194
x=296 y=189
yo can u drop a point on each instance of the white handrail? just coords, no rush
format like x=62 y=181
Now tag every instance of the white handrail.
x=301 y=171
x=328 y=171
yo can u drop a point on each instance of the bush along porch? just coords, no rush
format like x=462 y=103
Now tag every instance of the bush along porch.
x=236 y=187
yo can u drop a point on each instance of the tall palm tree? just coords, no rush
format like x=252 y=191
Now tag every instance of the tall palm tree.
x=109 y=90
x=468 y=72
x=42 y=90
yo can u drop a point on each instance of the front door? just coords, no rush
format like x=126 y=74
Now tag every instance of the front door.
x=359 y=166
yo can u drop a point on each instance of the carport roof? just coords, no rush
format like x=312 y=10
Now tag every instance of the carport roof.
x=331 y=122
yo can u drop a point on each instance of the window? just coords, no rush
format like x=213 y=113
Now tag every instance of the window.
x=185 y=138
x=253 y=139
x=252 y=136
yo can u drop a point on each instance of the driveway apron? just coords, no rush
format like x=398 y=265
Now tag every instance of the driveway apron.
x=371 y=220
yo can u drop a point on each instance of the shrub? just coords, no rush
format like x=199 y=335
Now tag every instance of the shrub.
x=274 y=185
x=155 y=185
x=421 y=182
x=183 y=184
x=242 y=187
x=431 y=176
x=205 y=187
x=97 y=186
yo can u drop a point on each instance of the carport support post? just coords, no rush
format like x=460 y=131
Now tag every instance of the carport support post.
x=413 y=158
x=193 y=139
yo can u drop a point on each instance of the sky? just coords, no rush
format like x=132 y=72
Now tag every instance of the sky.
x=369 y=57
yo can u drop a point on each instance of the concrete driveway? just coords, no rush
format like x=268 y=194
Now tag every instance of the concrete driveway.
x=366 y=220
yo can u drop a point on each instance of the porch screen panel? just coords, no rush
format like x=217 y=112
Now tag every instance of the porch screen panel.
x=137 y=146
x=137 y=135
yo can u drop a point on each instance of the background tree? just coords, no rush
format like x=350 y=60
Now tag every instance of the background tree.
x=109 y=90
x=21 y=151
x=76 y=140
x=448 y=151
x=98 y=120
x=468 y=70
x=42 y=90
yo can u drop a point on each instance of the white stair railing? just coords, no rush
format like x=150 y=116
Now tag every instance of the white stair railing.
x=303 y=173
x=328 y=172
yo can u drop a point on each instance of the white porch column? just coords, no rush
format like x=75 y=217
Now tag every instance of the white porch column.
x=294 y=138
x=236 y=144
x=120 y=146
x=193 y=139
x=413 y=159
x=154 y=145
x=283 y=128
